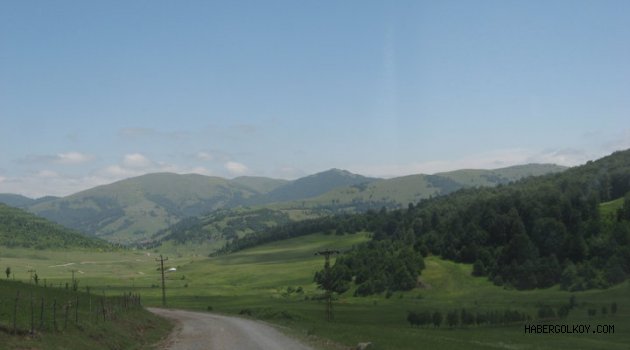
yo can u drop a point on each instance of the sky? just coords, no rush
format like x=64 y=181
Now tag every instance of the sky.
x=92 y=92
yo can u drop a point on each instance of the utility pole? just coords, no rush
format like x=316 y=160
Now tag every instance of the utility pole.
x=75 y=286
x=327 y=253
x=162 y=260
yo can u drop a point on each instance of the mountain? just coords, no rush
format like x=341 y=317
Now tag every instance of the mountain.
x=19 y=201
x=315 y=185
x=19 y=228
x=365 y=193
x=400 y=191
x=258 y=184
x=15 y=200
x=133 y=209
x=136 y=209
x=477 y=177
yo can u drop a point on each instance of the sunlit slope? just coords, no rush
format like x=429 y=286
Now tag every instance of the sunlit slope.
x=275 y=282
x=133 y=209
x=400 y=191
x=264 y=281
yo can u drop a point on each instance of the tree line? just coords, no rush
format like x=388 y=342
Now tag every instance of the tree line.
x=19 y=228
x=533 y=233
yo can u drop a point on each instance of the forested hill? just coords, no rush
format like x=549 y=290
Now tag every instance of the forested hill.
x=534 y=233
x=530 y=234
x=19 y=228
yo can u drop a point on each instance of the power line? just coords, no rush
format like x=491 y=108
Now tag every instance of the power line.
x=162 y=260
x=329 y=293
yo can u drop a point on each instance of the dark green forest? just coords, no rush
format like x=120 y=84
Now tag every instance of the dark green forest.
x=19 y=228
x=533 y=233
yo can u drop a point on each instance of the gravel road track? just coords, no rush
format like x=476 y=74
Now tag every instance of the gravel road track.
x=206 y=331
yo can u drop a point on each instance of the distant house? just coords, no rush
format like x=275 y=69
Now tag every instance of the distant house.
x=172 y=269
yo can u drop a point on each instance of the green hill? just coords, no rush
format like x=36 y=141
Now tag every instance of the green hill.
x=314 y=185
x=400 y=191
x=136 y=209
x=533 y=233
x=15 y=200
x=261 y=185
x=19 y=228
x=133 y=209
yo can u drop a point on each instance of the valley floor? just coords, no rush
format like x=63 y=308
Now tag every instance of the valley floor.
x=274 y=282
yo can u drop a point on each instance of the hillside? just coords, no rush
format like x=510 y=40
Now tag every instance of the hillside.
x=15 y=200
x=400 y=191
x=136 y=209
x=19 y=228
x=19 y=201
x=365 y=193
x=133 y=209
x=261 y=185
x=533 y=233
x=314 y=185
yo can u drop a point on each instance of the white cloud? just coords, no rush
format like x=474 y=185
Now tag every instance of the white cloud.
x=73 y=158
x=236 y=168
x=136 y=161
x=69 y=158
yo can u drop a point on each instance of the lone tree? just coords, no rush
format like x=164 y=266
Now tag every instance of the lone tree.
x=332 y=280
x=8 y=272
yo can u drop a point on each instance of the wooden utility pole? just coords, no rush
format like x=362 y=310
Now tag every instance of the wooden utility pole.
x=162 y=260
x=327 y=253
x=75 y=285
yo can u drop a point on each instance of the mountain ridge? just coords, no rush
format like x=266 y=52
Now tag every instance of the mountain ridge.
x=134 y=209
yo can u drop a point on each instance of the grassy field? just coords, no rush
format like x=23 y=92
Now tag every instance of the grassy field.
x=609 y=210
x=274 y=282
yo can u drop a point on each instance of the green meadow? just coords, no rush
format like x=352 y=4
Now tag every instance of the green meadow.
x=274 y=282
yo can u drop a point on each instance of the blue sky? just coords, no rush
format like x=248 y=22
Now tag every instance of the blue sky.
x=96 y=91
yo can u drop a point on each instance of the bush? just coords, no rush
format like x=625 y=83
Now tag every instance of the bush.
x=546 y=312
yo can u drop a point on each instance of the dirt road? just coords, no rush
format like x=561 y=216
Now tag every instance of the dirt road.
x=205 y=331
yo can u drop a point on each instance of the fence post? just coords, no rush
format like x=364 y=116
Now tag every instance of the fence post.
x=76 y=311
x=15 y=310
x=90 y=304
x=65 y=318
x=55 y=315
x=32 y=314
x=103 y=306
x=41 y=316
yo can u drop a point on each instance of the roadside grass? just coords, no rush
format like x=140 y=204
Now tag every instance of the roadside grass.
x=274 y=282
x=26 y=308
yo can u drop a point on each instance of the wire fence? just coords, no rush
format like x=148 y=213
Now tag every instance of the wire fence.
x=31 y=310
